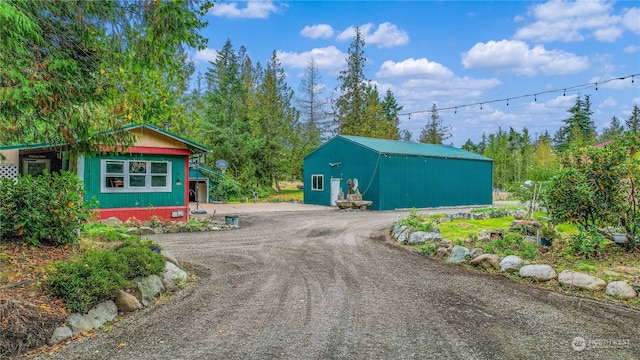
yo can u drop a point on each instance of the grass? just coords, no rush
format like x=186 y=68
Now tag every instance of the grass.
x=464 y=229
x=289 y=192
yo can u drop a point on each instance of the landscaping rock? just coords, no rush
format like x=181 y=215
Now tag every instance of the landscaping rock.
x=61 y=333
x=444 y=243
x=443 y=251
x=171 y=229
x=147 y=288
x=420 y=237
x=145 y=230
x=510 y=263
x=170 y=258
x=132 y=231
x=538 y=272
x=96 y=317
x=581 y=281
x=458 y=254
x=112 y=221
x=620 y=289
x=474 y=253
x=404 y=236
x=127 y=302
x=531 y=239
x=398 y=230
x=173 y=276
x=487 y=261
x=484 y=235
x=519 y=214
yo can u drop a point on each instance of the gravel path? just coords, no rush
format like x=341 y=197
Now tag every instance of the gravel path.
x=329 y=285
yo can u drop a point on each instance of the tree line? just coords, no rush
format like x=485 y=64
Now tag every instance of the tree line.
x=76 y=73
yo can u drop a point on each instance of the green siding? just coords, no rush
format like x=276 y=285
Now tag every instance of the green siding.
x=132 y=199
x=449 y=177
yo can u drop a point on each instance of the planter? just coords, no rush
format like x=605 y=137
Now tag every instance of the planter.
x=619 y=238
x=231 y=220
x=546 y=242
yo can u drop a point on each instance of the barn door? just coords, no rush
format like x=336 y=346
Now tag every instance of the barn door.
x=335 y=190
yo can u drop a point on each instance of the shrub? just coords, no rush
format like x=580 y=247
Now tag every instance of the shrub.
x=88 y=280
x=226 y=189
x=588 y=243
x=140 y=260
x=44 y=209
x=418 y=222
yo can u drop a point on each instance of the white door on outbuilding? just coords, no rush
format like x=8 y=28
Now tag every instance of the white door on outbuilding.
x=335 y=190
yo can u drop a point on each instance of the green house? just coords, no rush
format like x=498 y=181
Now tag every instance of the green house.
x=396 y=174
x=149 y=178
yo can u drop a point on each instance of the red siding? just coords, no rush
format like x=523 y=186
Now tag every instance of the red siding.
x=164 y=212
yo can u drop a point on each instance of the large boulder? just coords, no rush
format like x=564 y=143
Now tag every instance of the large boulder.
x=170 y=257
x=398 y=230
x=147 y=288
x=127 y=302
x=458 y=254
x=173 y=276
x=96 y=317
x=581 y=281
x=538 y=272
x=404 y=236
x=420 y=237
x=620 y=289
x=487 y=261
x=474 y=253
x=510 y=263
x=61 y=333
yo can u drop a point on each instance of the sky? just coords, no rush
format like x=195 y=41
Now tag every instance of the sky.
x=460 y=55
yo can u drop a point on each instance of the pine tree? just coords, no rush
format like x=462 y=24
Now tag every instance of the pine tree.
x=348 y=109
x=390 y=110
x=614 y=130
x=633 y=123
x=434 y=131
x=579 y=128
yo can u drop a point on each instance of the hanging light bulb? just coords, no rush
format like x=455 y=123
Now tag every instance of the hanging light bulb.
x=455 y=111
x=596 y=86
x=535 y=97
x=564 y=92
x=480 y=106
x=507 y=102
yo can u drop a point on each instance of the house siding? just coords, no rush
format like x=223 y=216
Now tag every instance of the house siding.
x=176 y=197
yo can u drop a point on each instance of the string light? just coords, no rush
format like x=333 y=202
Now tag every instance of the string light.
x=535 y=95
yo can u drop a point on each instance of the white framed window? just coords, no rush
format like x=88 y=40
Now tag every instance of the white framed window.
x=317 y=182
x=135 y=176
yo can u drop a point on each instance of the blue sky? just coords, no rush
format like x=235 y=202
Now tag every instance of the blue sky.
x=453 y=53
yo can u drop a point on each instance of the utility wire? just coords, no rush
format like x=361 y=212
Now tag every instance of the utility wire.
x=534 y=95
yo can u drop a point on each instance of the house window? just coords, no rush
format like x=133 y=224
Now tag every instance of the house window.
x=317 y=182
x=135 y=176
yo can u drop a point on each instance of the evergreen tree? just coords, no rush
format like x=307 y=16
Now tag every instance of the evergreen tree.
x=614 y=130
x=434 y=131
x=390 y=110
x=579 y=128
x=348 y=109
x=633 y=123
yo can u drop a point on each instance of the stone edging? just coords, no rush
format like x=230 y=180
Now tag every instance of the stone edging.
x=509 y=264
x=145 y=290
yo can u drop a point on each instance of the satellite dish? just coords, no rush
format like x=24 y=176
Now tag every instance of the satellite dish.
x=222 y=165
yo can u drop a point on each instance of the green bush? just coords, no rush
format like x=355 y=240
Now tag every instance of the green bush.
x=140 y=259
x=104 y=233
x=88 y=280
x=93 y=277
x=418 y=222
x=45 y=209
x=589 y=243
x=226 y=189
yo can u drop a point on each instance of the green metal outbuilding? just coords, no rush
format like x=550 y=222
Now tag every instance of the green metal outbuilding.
x=397 y=174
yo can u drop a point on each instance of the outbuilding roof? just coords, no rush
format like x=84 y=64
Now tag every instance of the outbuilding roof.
x=395 y=147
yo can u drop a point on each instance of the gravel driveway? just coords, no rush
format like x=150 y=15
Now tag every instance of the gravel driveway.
x=329 y=285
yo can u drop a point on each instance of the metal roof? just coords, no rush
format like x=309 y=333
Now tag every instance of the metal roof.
x=395 y=147
x=192 y=144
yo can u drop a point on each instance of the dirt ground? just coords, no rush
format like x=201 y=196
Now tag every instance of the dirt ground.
x=318 y=283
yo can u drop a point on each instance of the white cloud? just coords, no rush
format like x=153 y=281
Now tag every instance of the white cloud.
x=328 y=58
x=631 y=49
x=631 y=20
x=571 y=21
x=514 y=56
x=317 y=31
x=413 y=68
x=205 y=55
x=385 y=36
x=253 y=10
x=608 y=103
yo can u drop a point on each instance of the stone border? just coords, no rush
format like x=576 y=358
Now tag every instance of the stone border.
x=509 y=264
x=145 y=291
